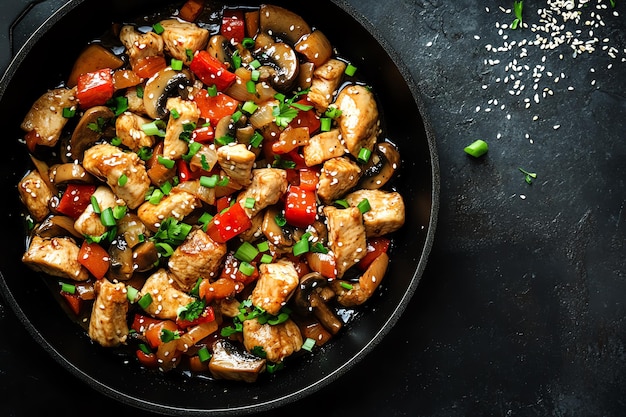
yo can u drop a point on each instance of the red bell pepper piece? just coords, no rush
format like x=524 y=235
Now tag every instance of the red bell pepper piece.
x=73 y=301
x=149 y=360
x=148 y=66
x=214 y=108
x=300 y=206
x=185 y=173
x=204 y=134
x=375 y=247
x=309 y=178
x=229 y=223
x=141 y=323
x=206 y=316
x=95 y=88
x=95 y=258
x=233 y=25
x=211 y=71
x=75 y=199
x=306 y=118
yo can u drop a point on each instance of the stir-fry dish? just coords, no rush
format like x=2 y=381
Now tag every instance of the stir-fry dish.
x=211 y=191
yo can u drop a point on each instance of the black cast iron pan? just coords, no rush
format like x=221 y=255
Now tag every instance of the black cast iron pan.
x=46 y=59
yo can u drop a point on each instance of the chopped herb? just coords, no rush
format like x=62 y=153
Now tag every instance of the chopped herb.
x=249 y=203
x=266 y=259
x=165 y=249
x=204 y=163
x=194 y=147
x=212 y=90
x=236 y=116
x=342 y=203
x=166 y=162
x=131 y=293
x=249 y=107
x=308 y=344
x=68 y=288
x=518 y=6
x=155 y=197
x=116 y=141
x=119 y=212
x=326 y=124
x=246 y=268
x=350 y=70
x=122 y=180
x=145 y=301
x=274 y=367
x=332 y=112
x=236 y=60
x=247 y=42
x=191 y=311
x=258 y=351
x=319 y=248
x=174 y=113
x=107 y=218
x=224 y=140
x=144 y=348
x=156 y=128
x=346 y=285
x=477 y=149
x=528 y=176
x=166 y=188
x=69 y=112
x=280 y=219
x=283 y=163
x=256 y=139
x=284 y=114
x=302 y=246
x=176 y=64
x=158 y=28
x=145 y=153
x=364 y=155
x=204 y=354
x=169 y=335
x=189 y=54
x=209 y=182
x=118 y=105
x=204 y=220
x=139 y=91
x=256 y=64
x=95 y=205
x=364 y=206
x=255 y=75
x=246 y=252
x=263 y=246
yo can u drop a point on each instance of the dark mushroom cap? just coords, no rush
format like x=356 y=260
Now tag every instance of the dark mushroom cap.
x=163 y=85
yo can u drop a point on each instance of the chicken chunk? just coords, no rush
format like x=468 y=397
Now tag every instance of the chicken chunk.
x=180 y=36
x=135 y=102
x=338 y=176
x=128 y=129
x=322 y=147
x=45 y=117
x=277 y=282
x=198 y=256
x=325 y=82
x=57 y=256
x=111 y=163
x=173 y=146
x=346 y=236
x=386 y=214
x=107 y=324
x=140 y=45
x=358 y=123
x=167 y=297
x=268 y=185
x=35 y=195
x=89 y=223
x=177 y=204
x=278 y=341
x=230 y=363
x=237 y=162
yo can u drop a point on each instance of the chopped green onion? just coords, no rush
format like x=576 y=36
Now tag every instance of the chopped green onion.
x=165 y=249
x=204 y=354
x=263 y=246
x=174 y=113
x=236 y=60
x=194 y=148
x=119 y=212
x=364 y=206
x=246 y=268
x=68 y=288
x=236 y=116
x=342 y=203
x=364 y=155
x=302 y=107
x=266 y=259
x=255 y=75
x=247 y=42
x=107 y=218
x=166 y=188
x=477 y=149
x=332 y=112
x=189 y=54
x=118 y=105
x=280 y=318
x=249 y=107
x=141 y=237
x=251 y=87
x=95 y=205
x=158 y=28
x=224 y=140
x=528 y=176
x=256 y=139
x=156 y=196
x=204 y=220
x=153 y=129
x=176 y=64
x=280 y=219
x=69 y=112
x=319 y=248
x=139 y=91
x=169 y=335
x=116 y=141
x=346 y=285
x=145 y=153
x=308 y=344
x=255 y=64
x=212 y=90
x=122 y=180
x=209 y=182
x=246 y=252
x=326 y=124
x=145 y=301
x=350 y=70
x=166 y=162
x=249 y=203
x=302 y=246
x=131 y=293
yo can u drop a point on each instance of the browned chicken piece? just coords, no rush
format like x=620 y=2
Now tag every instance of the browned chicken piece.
x=176 y=204
x=46 y=115
x=338 y=176
x=237 y=162
x=278 y=341
x=135 y=103
x=357 y=293
x=111 y=163
x=89 y=223
x=128 y=129
x=57 y=256
x=276 y=283
x=228 y=362
x=35 y=195
x=107 y=324
x=198 y=256
x=346 y=236
x=268 y=185
x=322 y=147
x=358 y=123
x=140 y=45
x=180 y=37
x=167 y=297
x=325 y=82
x=173 y=146
x=386 y=214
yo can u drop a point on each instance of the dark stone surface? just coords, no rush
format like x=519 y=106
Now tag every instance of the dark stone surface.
x=521 y=310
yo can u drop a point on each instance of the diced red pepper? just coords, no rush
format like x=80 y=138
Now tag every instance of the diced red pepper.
x=306 y=118
x=300 y=206
x=148 y=66
x=153 y=333
x=95 y=88
x=228 y=224
x=32 y=139
x=211 y=71
x=297 y=158
x=95 y=258
x=149 y=360
x=141 y=323
x=231 y=271
x=73 y=301
x=222 y=203
x=309 y=178
x=207 y=315
x=75 y=199
x=324 y=263
x=214 y=108
x=185 y=173
x=204 y=134
x=375 y=247
x=233 y=25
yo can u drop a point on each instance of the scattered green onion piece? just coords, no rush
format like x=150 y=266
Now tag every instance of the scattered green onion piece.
x=364 y=206
x=256 y=139
x=326 y=124
x=263 y=246
x=247 y=42
x=107 y=218
x=194 y=148
x=69 y=112
x=209 y=182
x=254 y=76
x=246 y=252
x=166 y=162
x=224 y=140
x=256 y=64
x=204 y=354
x=280 y=219
x=249 y=203
x=145 y=153
x=528 y=176
x=139 y=91
x=119 y=212
x=131 y=293
x=246 y=268
x=223 y=182
x=122 y=180
x=95 y=205
x=152 y=129
x=116 y=141
x=342 y=203
x=165 y=249
x=118 y=105
x=212 y=90
x=145 y=301
x=319 y=248
x=141 y=237
x=280 y=318
x=477 y=149
x=249 y=107
x=156 y=197
x=350 y=70
x=332 y=112
x=176 y=64
x=346 y=285
x=236 y=116
x=189 y=54
x=251 y=87
x=303 y=107
x=166 y=188
x=236 y=60
x=364 y=155
x=266 y=259
x=158 y=28
x=308 y=344
x=68 y=288
x=302 y=246
x=174 y=113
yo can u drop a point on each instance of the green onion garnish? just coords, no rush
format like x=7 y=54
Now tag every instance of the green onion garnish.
x=251 y=87
x=246 y=268
x=326 y=124
x=204 y=354
x=302 y=246
x=131 y=293
x=68 y=288
x=69 y=112
x=308 y=344
x=145 y=301
x=256 y=139
x=246 y=252
x=107 y=218
x=350 y=70
x=95 y=205
x=174 y=113
x=249 y=203
x=263 y=246
x=364 y=206
x=477 y=148
x=119 y=212
x=154 y=129
x=176 y=64
x=249 y=107
x=364 y=155
x=158 y=28
x=212 y=90
x=266 y=259
x=209 y=182
x=166 y=162
x=346 y=285
x=342 y=203
x=122 y=180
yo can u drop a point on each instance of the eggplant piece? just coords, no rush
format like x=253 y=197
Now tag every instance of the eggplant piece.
x=233 y=364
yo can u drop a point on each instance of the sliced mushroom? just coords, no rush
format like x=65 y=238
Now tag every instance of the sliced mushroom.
x=121 y=260
x=315 y=47
x=281 y=65
x=361 y=291
x=165 y=84
x=307 y=298
x=218 y=47
x=381 y=167
x=57 y=225
x=70 y=172
x=145 y=256
x=283 y=23
x=88 y=130
x=230 y=363
x=275 y=234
